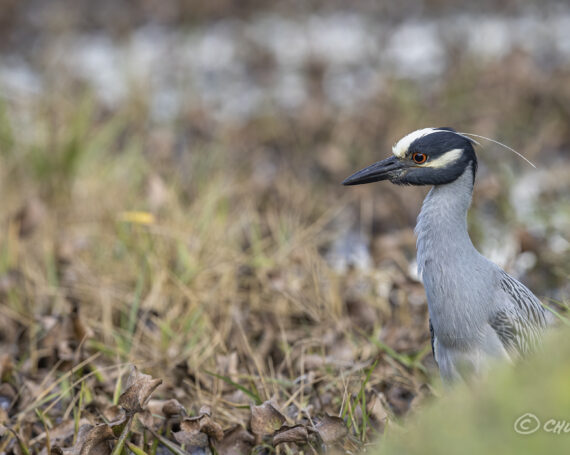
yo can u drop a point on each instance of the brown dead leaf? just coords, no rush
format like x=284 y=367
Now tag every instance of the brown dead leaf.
x=147 y=419
x=139 y=389
x=236 y=441
x=204 y=424
x=93 y=440
x=191 y=440
x=211 y=428
x=62 y=434
x=266 y=419
x=113 y=412
x=297 y=434
x=172 y=408
x=190 y=425
x=195 y=432
x=331 y=429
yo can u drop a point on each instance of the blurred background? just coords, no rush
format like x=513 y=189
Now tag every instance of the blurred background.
x=170 y=177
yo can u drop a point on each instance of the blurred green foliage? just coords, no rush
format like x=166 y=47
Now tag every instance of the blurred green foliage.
x=484 y=417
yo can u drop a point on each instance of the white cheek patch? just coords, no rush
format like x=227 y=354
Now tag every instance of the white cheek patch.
x=401 y=147
x=445 y=159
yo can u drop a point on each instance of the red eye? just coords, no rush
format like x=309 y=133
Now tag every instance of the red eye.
x=419 y=158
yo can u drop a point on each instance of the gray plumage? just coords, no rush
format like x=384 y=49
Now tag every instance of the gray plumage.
x=477 y=311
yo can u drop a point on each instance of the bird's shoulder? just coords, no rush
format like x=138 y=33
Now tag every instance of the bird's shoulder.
x=517 y=296
x=519 y=317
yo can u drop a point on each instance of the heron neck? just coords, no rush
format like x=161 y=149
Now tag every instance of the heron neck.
x=442 y=224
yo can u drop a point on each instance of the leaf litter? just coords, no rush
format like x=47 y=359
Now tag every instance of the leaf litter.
x=265 y=308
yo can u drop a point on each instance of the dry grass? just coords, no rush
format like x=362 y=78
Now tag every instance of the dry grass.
x=198 y=252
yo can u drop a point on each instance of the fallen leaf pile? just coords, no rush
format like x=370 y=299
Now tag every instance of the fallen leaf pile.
x=172 y=428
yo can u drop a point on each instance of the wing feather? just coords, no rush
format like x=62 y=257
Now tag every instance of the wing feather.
x=519 y=324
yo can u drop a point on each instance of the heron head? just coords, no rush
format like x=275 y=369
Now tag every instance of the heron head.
x=430 y=156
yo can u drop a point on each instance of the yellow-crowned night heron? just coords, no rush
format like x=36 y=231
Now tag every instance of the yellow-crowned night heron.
x=477 y=311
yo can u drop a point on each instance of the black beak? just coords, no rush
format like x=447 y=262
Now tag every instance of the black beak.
x=382 y=170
